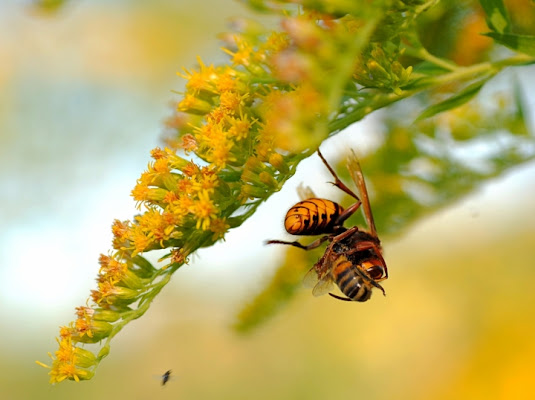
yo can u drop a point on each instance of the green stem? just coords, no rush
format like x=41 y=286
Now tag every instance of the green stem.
x=460 y=74
x=424 y=7
x=424 y=55
x=380 y=101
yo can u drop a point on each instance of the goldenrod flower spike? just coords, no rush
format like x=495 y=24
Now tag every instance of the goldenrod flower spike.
x=237 y=135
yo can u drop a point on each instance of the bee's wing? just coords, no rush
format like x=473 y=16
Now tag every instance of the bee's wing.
x=319 y=286
x=353 y=166
x=305 y=192
x=323 y=286
x=310 y=279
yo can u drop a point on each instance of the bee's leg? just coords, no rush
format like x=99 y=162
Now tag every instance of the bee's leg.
x=340 y=298
x=313 y=245
x=370 y=280
x=374 y=283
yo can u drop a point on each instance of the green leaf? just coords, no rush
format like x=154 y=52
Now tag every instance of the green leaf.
x=521 y=43
x=518 y=97
x=455 y=101
x=497 y=17
x=428 y=69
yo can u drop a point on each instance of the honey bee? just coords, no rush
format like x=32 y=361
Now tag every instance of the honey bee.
x=353 y=258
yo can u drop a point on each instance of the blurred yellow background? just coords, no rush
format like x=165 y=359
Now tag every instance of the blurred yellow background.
x=84 y=93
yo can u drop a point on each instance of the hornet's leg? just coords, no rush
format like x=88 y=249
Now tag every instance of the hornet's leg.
x=313 y=245
x=340 y=185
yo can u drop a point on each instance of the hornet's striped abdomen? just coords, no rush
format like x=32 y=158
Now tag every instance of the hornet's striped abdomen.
x=312 y=217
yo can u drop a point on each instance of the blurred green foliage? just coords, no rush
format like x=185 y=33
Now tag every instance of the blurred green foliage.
x=48 y=6
x=418 y=168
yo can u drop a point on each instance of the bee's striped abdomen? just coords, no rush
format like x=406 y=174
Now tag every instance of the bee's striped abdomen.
x=349 y=281
x=312 y=217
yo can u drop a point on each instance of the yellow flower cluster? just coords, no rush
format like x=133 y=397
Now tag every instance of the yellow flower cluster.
x=237 y=134
x=69 y=362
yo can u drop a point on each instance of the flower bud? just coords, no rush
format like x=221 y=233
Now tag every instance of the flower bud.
x=144 y=267
x=267 y=179
x=253 y=191
x=277 y=161
x=94 y=332
x=84 y=358
x=106 y=315
x=131 y=280
x=194 y=105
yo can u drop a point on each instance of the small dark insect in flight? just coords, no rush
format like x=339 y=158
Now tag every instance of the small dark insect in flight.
x=165 y=377
x=353 y=258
